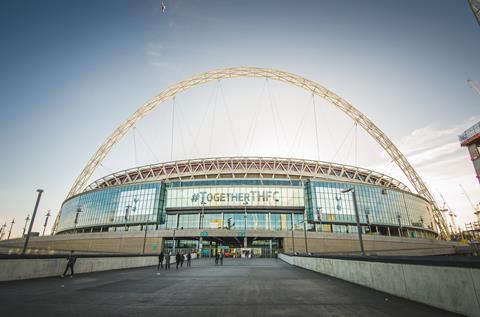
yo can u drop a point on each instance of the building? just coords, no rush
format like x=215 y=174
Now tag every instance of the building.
x=246 y=204
x=471 y=140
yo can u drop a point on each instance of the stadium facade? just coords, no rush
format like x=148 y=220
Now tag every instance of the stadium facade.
x=259 y=201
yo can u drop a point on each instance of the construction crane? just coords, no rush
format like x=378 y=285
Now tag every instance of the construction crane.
x=476 y=209
x=451 y=214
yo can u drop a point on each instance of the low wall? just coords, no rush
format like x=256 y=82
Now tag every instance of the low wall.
x=318 y=242
x=453 y=288
x=27 y=268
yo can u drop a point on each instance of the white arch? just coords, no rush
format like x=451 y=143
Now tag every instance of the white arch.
x=273 y=74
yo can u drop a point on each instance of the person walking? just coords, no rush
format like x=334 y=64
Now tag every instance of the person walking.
x=177 y=259
x=71 y=262
x=189 y=260
x=221 y=258
x=182 y=258
x=167 y=261
x=216 y=258
x=160 y=260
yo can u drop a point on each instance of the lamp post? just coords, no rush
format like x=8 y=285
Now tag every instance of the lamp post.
x=305 y=230
x=293 y=239
x=367 y=215
x=46 y=221
x=75 y=222
x=319 y=218
x=245 y=241
x=202 y=215
x=127 y=209
x=145 y=236
x=2 y=230
x=174 y=240
x=25 y=227
x=400 y=228
x=357 y=218
x=10 y=231
x=39 y=191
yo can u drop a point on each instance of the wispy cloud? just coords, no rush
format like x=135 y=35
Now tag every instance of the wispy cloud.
x=435 y=145
x=158 y=57
x=443 y=164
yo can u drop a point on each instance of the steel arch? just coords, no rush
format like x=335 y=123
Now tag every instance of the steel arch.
x=277 y=75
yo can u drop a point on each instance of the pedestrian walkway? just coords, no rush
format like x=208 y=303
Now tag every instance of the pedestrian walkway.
x=241 y=287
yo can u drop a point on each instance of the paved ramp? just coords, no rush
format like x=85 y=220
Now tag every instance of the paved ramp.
x=241 y=287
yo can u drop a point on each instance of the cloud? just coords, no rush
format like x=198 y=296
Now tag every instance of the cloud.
x=437 y=156
x=435 y=145
x=153 y=53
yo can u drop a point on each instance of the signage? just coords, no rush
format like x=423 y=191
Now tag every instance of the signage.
x=235 y=196
x=248 y=197
x=204 y=234
x=241 y=234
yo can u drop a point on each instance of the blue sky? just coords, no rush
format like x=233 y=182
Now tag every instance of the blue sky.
x=71 y=71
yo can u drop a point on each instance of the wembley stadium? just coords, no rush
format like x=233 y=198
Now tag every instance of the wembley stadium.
x=249 y=205
x=258 y=200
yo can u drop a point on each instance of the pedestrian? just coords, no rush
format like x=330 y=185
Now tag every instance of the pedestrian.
x=160 y=260
x=221 y=258
x=182 y=258
x=216 y=258
x=167 y=261
x=189 y=260
x=177 y=259
x=71 y=262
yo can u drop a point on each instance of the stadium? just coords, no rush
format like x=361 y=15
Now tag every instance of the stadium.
x=249 y=205
x=259 y=201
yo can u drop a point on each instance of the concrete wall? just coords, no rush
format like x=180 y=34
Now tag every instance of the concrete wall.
x=111 y=242
x=318 y=242
x=454 y=289
x=19 y=269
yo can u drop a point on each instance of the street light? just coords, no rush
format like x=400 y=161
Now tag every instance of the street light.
x=46 y=221
x=293 y=239
x=77 y=213
x=357 y=218
x=127 y=209
x=145 y=236
x=367 y=215
x=245 y=241
x=319 y=218
x=2 y=230
x=39 y=191
x=202 y=216
x=25 y=227
x=305 y=230
x=400 y=228
x=304 y=234
x=174 y=240
x=10 y=231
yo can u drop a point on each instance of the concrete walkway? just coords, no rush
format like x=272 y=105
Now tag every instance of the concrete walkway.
x=241 y=287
